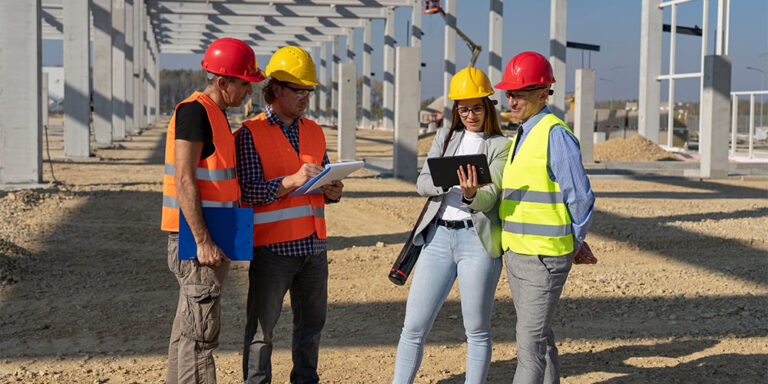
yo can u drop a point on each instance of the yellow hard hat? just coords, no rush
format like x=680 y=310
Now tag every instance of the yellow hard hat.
x=469 y=83
x=293 y=65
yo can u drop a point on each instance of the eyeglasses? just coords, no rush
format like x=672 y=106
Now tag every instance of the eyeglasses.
x=521 y=94
x=300 y=93
x=475 y=109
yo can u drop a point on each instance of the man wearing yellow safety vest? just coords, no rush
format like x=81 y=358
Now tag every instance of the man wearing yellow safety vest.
x=277 y=151
x=546 y=209
x=200 y=172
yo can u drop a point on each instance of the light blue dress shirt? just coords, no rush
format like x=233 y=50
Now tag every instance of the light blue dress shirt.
x=565 y=168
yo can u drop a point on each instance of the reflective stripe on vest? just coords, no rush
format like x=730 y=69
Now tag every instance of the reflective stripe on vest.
x=533 y=196
x=537 y=229
x=205 y=173
x=173 y=202
x=287 y=214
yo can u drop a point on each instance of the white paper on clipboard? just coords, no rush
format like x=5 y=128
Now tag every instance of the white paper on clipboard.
x=331 y=172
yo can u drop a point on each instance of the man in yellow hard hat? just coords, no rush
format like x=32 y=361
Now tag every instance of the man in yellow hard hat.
x=278 y=151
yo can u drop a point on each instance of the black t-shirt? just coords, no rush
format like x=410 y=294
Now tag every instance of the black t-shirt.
x=192 y=124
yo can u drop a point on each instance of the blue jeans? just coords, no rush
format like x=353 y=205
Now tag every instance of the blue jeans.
x=449 y=253
x=270 y=277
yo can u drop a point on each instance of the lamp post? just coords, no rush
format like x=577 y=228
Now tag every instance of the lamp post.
x=762 y=73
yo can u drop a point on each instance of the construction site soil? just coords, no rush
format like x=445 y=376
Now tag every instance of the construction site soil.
x=679 y=294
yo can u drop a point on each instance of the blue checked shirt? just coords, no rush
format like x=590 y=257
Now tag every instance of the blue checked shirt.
x=254 y=190
x=565 y=168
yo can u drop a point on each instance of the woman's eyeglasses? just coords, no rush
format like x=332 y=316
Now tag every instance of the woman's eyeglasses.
x=475 y=109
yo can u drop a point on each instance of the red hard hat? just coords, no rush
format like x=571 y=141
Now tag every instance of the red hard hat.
x=232 y=57
x=524 y=70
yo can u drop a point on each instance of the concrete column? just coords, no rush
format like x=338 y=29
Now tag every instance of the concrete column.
x=416 y=32
x=495 y=48
x=118 y=69
x=348 y=110
x=157 y=86
x=366 y=90
x=650 y=69
x=723 y=26
x=449 y=62
x=584 y=113
x=20 y=86
x=149 y=80
x=388 y=93
x=558 y=18
x=77 y=109
x=335 y=81
x=138 y=64
x=323 y=83
x=715 y=103
x=350 y=58
x=407 y=101
x=350 y=51
x=102 y=72
x=315 y=102
x=130 y=36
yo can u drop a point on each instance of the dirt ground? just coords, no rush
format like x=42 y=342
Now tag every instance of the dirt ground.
x=679 y=294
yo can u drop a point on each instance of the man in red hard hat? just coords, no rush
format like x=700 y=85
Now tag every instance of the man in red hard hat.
x=200 y=172
x=545 y=210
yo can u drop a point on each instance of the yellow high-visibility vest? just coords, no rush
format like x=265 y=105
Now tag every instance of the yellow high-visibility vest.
x=535 y=220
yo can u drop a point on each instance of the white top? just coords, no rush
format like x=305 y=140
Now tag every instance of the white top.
x=452 y=207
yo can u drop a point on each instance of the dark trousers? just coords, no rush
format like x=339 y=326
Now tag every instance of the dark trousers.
x=270 y=277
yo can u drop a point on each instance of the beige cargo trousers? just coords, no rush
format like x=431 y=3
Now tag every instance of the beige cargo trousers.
x=195 y=332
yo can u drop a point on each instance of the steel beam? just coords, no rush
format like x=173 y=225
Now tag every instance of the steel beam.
x=255 y=37
x=267 y=21
x=357 y=3
x=186 y=29
x=243 y=9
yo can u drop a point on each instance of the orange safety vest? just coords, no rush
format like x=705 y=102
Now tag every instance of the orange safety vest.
x=290 y=218
x=215 y=176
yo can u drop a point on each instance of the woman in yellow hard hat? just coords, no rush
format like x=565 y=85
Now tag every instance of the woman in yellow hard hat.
x=460 y=232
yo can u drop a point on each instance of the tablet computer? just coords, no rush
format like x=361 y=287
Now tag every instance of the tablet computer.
x=443 y=169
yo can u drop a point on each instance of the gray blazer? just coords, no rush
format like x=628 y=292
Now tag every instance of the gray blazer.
x=485 y=206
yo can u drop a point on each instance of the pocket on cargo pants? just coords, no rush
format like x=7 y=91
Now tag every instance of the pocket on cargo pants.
x=201 y=315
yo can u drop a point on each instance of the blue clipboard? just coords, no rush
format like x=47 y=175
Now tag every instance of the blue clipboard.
x=230 y=228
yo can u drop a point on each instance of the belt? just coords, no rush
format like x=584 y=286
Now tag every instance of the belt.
x=454 y=224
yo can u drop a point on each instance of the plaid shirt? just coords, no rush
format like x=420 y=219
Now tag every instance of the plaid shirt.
x=254 y=190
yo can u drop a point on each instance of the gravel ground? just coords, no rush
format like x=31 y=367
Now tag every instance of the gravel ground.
x=678 y=296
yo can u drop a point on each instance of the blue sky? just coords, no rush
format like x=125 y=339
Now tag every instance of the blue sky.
x=612 y=24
